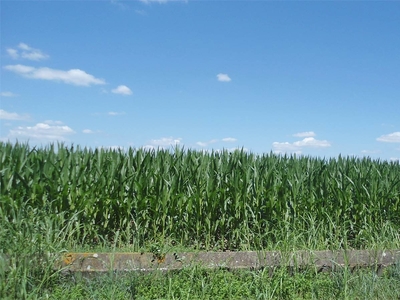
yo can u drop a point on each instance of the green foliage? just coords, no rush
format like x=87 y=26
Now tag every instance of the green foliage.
x=30 y=244
x=198 y=283
x=223 y=200
x=60 y=197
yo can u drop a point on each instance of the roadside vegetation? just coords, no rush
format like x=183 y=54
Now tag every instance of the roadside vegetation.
x=66 y=198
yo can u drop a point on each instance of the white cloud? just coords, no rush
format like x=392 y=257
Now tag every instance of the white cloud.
x=73 y=76
x=13 y=53
x=223 y=77
x=113 y=113
x=122 y=89
x=90 y=131
x=285 y=147
x=205 y=144
x=24 y=46
x=395 y=158
x=229 y=140
x=119 y=4
x=202 y=144
x=4 y=115
x=304 y=134
x=297 y=146
x=390 y=138
x=369 y=151
x=312 y=142
x=8 y=94
x=41 y=132
x=51 y=122
x=27 y=52
x=158 y=1
x=20 y=69
x=164 y=142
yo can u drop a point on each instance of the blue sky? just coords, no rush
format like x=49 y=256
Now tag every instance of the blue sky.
x=317 y=78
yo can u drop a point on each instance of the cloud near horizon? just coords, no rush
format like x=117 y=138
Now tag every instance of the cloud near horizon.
x=296 y=147
x=8 y=94
x=305 y=134
x=45 y=132
x=87 y=131
x=113 y=113
x=73 y=76
x=4 y=115
x=229 y=140
x=390 y=138
x=205 y=144
x=163 y=142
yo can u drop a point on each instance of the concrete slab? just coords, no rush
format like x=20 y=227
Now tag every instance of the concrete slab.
x=322 y=260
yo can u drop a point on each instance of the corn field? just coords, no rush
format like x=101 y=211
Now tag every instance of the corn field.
x=233 y=199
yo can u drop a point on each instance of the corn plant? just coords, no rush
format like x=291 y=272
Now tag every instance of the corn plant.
x=218 y=199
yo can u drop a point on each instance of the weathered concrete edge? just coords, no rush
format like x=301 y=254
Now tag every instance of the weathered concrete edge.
x=322 y=260
x=125 y=262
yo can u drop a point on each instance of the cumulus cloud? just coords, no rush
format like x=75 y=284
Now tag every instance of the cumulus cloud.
x=369 y=151
x=4 y=115
x=51 y=122
x=20 y=69
x=285 y=147
x=119 y=4
x=41 y=132
x=223 y=77
x=304 y=134
x=390 y=138
x=312 y=142
x=163 y=142
x=122 y=89
x=229 y=140
x=161 y=1
x=113 y=113
x=205 y=144
x=296 y=147
x=73 y=76
x=150 y=1
x=13 y=53
x=8 y=94
x=26 y=52
x=90 y=131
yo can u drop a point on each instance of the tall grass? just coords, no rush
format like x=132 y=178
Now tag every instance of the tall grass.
x=59 y=198
x=224 y=200
x=31 y=241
